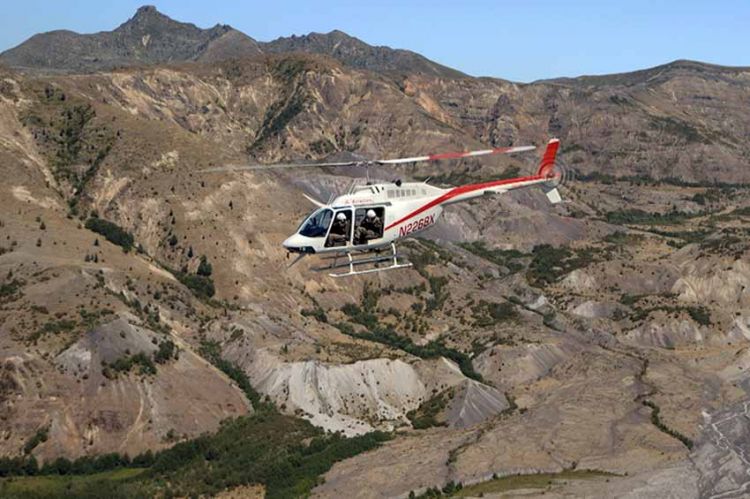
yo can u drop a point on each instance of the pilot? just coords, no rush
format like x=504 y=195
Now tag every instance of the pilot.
x=370 y=228
x=338 y=236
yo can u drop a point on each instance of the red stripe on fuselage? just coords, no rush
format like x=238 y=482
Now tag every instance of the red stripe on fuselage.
x=457 y=191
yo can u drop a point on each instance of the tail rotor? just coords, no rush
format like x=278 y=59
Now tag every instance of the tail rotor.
x=554 y=171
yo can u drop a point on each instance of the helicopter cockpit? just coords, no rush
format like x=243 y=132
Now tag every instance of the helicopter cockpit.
x=339 y=227
x=316 y=225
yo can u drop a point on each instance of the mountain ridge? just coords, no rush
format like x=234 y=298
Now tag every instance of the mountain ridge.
x=150 y=37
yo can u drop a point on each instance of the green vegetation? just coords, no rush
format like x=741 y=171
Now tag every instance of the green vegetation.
x=11 y=290
x=503 y=258
x=285 y=454
x=283 y=111
x=37 y=438
x=698 y=313
x=426 y=253
x=68 y=134
x=201 y=286
x=73 y=120
x=425 y=416
x=53 y=327
x=111 y=232
x=533 y=481
x=605 y=178
x=640 y=217
x=166 y=352
x=102 y=484
x=741 y=212
x=322 y=147
x=385 y=334
x=449 y=490
x=429 y=253
x=439 y=292
x=85 y=465
x=204 y=268
x=629 y=300
x=488 y=314
x=677 y=128
x=317 y=313
x=236 y=455
x=684 y=237
x=125 y=364
x=729 y=242
x=549 y=263
x=90 y=319
x=710 y=196
x=211 y=351
x=656 y=420
x=620 y=238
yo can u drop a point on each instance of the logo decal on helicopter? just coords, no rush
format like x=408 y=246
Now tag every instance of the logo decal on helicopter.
x=420 y=224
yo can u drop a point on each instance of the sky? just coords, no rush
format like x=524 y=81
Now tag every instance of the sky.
x=516 y=40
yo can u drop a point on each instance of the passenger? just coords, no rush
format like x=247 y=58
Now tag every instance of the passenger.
x=370 y=228
x=339 y=235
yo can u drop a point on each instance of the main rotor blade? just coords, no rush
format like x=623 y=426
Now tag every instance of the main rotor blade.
x=313 y=200
x=455 y=155
x=429 y=157
x=237 y=168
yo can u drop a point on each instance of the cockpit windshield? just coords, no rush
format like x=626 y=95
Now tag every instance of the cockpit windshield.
x=316 y=225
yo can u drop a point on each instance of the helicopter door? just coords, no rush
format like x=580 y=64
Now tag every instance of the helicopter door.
x=368 y=228
x=341 y=229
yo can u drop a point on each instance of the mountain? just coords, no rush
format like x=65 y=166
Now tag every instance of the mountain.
x=657 y=74
x=357 y=54
x=149 y=37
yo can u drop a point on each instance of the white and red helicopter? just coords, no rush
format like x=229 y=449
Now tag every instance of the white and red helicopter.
x=371 y=218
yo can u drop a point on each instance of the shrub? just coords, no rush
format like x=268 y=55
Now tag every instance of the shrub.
x=204 y=268
x=125 y=364
x=201 y=286
x=111 y=232
x=700 y=314
x=167 y=351
x=39 y=437
x=317 y=313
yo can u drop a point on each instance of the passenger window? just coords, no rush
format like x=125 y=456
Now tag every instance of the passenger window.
x=368 y=228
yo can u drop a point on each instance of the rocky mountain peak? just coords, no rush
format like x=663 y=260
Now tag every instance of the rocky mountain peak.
x=149 y=19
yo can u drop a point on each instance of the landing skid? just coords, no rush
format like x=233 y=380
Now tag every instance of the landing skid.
x=352 y=263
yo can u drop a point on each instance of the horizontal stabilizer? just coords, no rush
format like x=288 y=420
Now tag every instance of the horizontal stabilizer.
x=554 y=196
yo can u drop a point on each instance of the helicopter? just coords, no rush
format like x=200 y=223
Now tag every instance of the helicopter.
x=368 y=220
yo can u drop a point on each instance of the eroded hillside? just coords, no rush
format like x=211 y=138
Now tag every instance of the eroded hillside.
x=594 y=335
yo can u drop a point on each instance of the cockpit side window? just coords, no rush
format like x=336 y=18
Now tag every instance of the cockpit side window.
x=317 y=224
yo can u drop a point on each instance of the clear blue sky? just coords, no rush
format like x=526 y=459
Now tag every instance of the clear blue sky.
x=517 y=40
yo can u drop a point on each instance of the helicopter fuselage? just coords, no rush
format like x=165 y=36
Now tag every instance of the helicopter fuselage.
x=401 y=210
